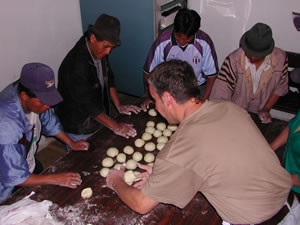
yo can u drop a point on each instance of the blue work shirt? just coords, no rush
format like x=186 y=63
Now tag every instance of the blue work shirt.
x=14 y=126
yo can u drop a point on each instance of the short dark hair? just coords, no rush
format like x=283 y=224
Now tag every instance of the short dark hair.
x=176 y=77
x=187 y=22
x=29 y=93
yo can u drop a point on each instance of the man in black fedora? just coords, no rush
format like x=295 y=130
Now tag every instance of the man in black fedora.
x=255 y=75
x=86 y=82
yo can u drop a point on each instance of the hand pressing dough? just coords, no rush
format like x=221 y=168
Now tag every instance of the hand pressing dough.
x=161 y=126
x=160 y=146
x=149 y=157
x=150 y=123
x=128 y=150
x=137 y=156
x=107 y=162
x=150 y=130
x=172 y=127
x=131 y=164
x=117 y=166
x=87 y=193
x=157 y=133
x=162 y=139
x=112 y=152
x=150 y=164
x=139 y=142
x=146 y=136
x=121 y=158
x=129 y=177
x=104 y=172
x=152 y=112
x=167 y=132
x=150 y=146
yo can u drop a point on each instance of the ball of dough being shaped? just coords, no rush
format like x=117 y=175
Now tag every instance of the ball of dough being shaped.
x=157 y=133
x=150 y=146
x=162 y=139
x=107 y=162
x=129 y=177
x=151 y=164
x=172 y=127
x=146 y=136
x=131 y=164
x=167 y=132
x=139 y=142
x=150 y=123
x=121 y=158
x=160 y=146
x=104 y=172
x=149 y=157
x=150 y=130
x=137 y=156
x=152 y=112
x=161 y=126
x=128 y=150
x=87 y=193
x=112 y=152
x=117 y=166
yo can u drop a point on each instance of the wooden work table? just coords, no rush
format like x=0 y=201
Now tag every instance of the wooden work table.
x=104 y=207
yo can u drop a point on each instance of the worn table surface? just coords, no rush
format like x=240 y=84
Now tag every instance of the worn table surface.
x=104 y=207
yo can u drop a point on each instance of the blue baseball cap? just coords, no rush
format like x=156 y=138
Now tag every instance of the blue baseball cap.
x=39 y=78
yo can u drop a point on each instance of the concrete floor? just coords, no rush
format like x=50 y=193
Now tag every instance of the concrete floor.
x=54 y=150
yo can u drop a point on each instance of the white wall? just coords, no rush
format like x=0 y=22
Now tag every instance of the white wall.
x=36 y=30
x=226 y=20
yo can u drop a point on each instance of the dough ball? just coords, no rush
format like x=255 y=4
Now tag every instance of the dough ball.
x=137 y=156
x=150 y=123
x=87 y=193
x=162 y=139
x=167 y=132
x=139 y=142
x=149 y=157
x=150 y=146
x=135 y=174
x=104 y=172
x=107 y=162
x=121 y=158
x=157 y=133
x=117 y=166
x=160 y=146
x=131 y=164
x=161 y=126
x=128 y=150
x=146 y=136
x=152 y=112
x=172 y=127
x=112 y=152
x=150 y=130
x=151 y=164
x=129 y=177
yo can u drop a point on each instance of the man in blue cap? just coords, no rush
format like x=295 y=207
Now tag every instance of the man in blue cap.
x=25 y=114
x=255 y=75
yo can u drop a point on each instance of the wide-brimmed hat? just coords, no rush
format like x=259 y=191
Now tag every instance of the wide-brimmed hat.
x=107 y=28
x=39 y=79
x=258 y=41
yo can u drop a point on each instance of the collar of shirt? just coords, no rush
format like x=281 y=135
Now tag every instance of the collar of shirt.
x=265 y=65
x=94 y=60
x=174 y=41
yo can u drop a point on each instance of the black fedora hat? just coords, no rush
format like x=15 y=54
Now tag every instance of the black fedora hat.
x=258 y=41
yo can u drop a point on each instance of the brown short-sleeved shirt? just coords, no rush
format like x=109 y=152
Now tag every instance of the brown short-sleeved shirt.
x=219 y=151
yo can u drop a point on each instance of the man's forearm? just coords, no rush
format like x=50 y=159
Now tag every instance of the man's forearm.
x=210 y=83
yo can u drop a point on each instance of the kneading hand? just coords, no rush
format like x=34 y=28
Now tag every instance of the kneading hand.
x=145 y=105
x=113 y=176
x=144 y=175
x=125 y=130
x=80 y=145
x=265 y=117
x=127 y=109
x=71 y=180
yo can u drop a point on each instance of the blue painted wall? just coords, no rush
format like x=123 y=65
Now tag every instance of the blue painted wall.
x=136 y=17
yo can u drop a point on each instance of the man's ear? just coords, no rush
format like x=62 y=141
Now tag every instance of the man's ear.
x=92 y=38
x=168 y=99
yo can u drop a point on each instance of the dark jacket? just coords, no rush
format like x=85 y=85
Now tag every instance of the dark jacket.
x=80 y=88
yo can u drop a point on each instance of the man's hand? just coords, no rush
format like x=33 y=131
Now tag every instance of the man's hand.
x=114 y=176
x=144 y=175
x=145 y=105
x=265 y=116
x=80 y=145
x=125 y=130
x=70 y=180
x=128 y=109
